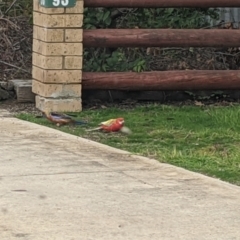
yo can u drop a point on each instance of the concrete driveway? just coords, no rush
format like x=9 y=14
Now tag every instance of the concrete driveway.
x=57 y=186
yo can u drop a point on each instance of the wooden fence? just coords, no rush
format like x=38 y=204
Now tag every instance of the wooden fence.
x=162 y=80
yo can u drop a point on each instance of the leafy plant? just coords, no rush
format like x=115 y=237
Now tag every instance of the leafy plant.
x=136 y=59
x=121 y=59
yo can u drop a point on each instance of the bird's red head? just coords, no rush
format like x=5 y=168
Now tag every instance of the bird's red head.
x=120 y=121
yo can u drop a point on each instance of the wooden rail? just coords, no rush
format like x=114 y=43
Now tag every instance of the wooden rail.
x=161 y=38
x=161 y=3
x=163 y=80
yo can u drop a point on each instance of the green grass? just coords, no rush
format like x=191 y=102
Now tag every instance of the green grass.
x=201 y=139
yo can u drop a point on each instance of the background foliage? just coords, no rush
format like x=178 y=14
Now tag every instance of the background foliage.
x=117 y=59
x=121 y=59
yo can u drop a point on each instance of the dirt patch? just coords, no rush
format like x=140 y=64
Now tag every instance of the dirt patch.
x=14 y=107
x=195 y=59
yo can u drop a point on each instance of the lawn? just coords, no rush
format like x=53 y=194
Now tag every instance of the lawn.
x=203 y=139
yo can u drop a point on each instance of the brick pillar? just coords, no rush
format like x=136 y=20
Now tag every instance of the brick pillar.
x=57 y=57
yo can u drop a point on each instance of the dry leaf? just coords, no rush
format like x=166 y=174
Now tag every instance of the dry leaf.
x=197 y=103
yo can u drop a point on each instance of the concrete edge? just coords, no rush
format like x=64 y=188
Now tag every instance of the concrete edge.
x=153 y=162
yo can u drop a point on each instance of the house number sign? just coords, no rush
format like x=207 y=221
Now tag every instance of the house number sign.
x=57 y=3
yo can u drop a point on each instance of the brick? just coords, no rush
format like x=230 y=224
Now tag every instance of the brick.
x=56 y=90
x=38 y=8
x=48 y=35
x=57 y=49
x=74 y=20
x=56 y=76
x=47 y=62
x=79 y=8
x=73 y=35
x=23 y=89
x=59 y=105
x=46 y=20
x=56 y=21
x=73 y=62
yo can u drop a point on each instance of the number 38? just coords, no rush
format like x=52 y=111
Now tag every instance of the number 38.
x=62 y=2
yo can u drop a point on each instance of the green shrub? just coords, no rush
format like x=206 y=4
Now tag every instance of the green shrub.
x=135 y=59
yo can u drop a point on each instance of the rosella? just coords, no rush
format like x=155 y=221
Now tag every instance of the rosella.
x=112 y=125
x=61 y=119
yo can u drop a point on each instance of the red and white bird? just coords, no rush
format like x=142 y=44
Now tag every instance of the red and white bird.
x=112 y=125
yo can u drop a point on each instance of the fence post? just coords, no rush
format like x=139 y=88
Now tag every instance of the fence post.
x=57 y=56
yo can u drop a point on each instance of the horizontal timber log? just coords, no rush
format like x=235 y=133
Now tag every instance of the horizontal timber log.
x=161 y=3
x=161 y=38
x=163 y=80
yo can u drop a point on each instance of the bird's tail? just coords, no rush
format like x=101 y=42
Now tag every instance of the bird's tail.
x=93 y=129
x=78 y=122
x=71 y=114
